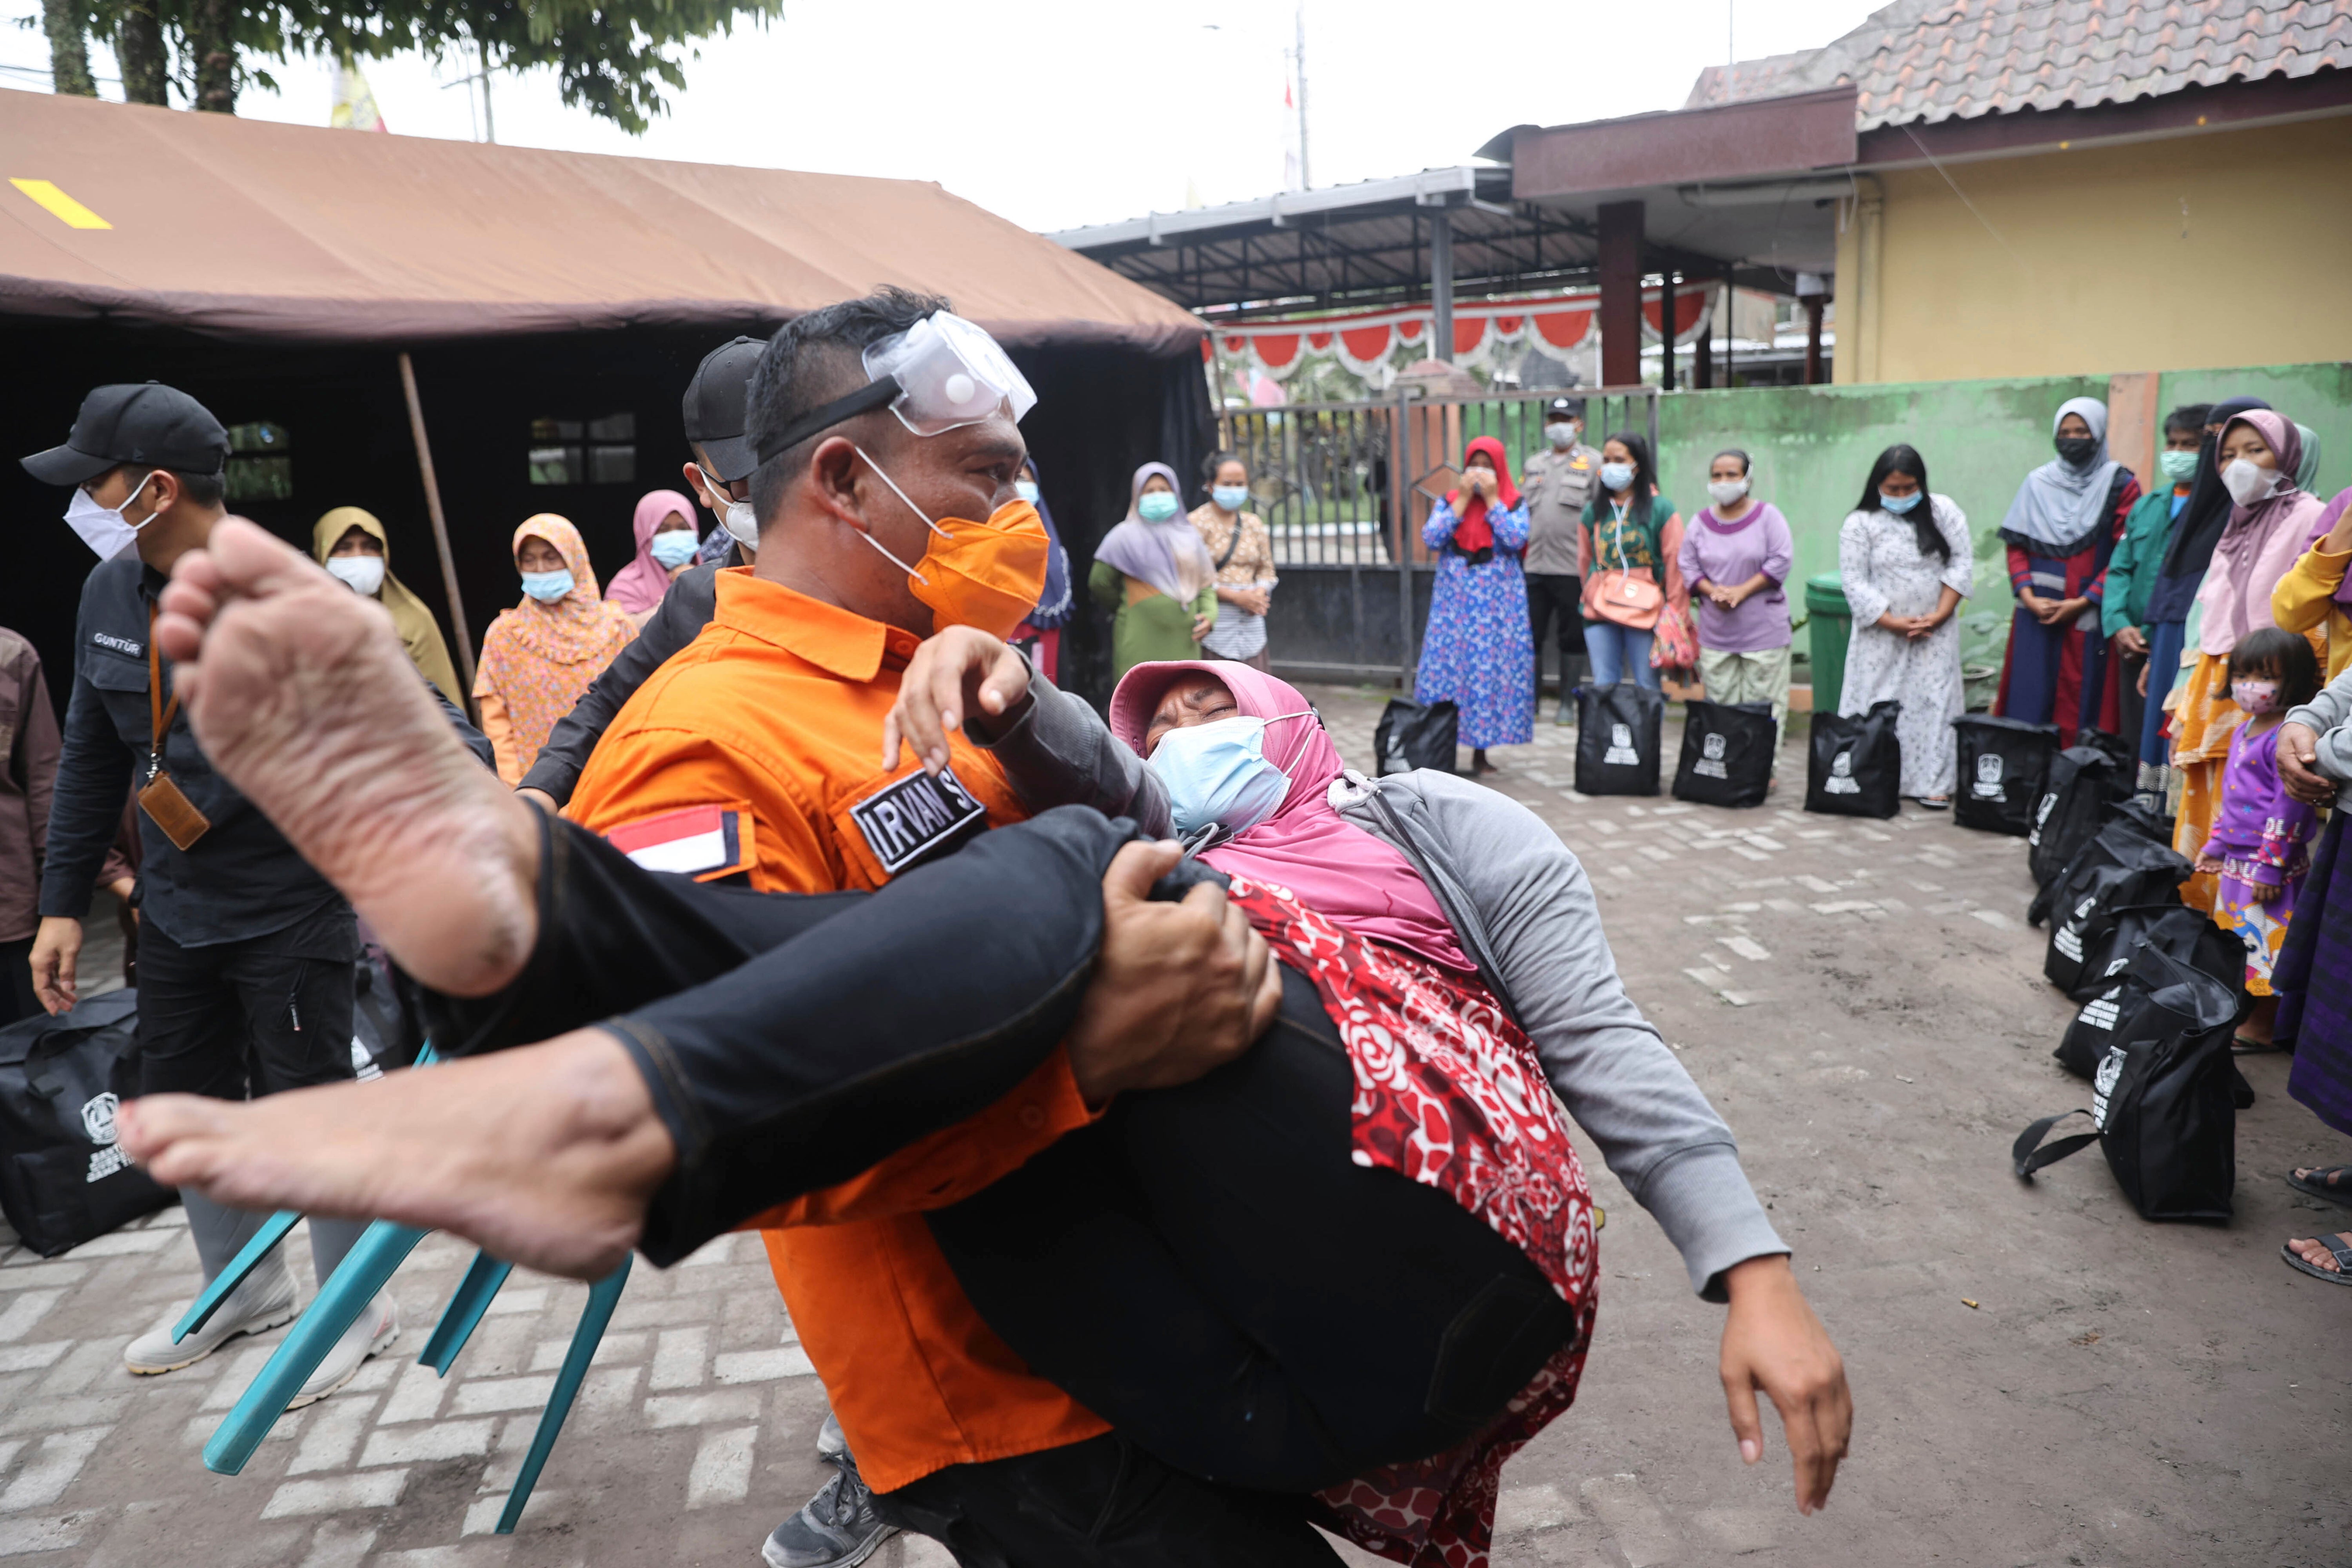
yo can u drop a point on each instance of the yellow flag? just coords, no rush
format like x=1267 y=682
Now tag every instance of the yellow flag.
x=355 y=107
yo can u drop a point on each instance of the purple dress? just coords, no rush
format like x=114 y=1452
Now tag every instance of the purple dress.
x=2262 y=836
x=1730 y=553
x=1476 y=651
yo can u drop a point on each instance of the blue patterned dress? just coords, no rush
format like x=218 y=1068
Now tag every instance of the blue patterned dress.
x=1476 y=651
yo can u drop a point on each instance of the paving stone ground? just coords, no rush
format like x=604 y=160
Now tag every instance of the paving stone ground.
x=1862 y=1001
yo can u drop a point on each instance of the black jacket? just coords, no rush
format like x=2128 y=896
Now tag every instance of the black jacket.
x=677 y=621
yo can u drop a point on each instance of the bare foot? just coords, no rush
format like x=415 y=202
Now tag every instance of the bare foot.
x=545 y=1155
x=302 y=696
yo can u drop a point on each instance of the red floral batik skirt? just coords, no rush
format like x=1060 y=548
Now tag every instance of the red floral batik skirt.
x=1450 y=1094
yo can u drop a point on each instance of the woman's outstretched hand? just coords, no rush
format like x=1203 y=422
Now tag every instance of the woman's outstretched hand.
x=962 y=673
x=1773 y=1341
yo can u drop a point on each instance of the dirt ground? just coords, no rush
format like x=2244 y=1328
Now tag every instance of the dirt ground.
x=2040 y=1377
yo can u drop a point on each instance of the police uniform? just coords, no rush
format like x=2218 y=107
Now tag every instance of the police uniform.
x=752 y=755
x=1555 y=485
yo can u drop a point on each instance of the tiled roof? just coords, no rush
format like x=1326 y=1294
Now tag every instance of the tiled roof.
x=1927 y=60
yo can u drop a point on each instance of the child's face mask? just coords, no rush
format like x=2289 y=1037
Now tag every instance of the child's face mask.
x=2255 y=696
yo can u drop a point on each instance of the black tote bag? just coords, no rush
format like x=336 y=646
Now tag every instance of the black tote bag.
x=1618 y=731
x=2165 y=1096
x=2085 y=783
x=2171 y=928
x=63 y=1178
x=1855 y=766
x=2003 y=763
x=1727 y=750
x=2121 y=867
x=1415 y=735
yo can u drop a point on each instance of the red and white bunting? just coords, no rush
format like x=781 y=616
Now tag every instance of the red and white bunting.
x=1555 y=326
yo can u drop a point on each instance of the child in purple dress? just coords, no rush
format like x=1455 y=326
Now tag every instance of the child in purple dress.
x=2261 y=843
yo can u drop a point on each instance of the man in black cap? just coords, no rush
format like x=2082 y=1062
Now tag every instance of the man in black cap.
x=246 y=953
x=1557 y=482
x=721 y=477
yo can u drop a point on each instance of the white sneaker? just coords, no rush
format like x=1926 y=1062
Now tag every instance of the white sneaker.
x=265 y=1301
x=372 y=1330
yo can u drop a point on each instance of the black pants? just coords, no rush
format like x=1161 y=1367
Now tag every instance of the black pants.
x=1557 y=598
x=1207 y=1269
x=2131 y=707
x=1102 y=1503
x=240 y=1019
x=17 y=997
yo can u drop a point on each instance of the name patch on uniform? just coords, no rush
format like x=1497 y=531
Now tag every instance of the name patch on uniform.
x=907 y=820
x=119 y=644
x=697 y=841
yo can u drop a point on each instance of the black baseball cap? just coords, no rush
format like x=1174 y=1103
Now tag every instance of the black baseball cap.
x=1564 y=408
x=145 y=423
x=715 y=406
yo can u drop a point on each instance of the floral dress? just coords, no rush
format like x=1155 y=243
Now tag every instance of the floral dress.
x=1887 y=573
x=1477 y=651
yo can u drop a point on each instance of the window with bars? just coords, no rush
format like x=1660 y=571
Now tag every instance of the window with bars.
x=260 y=462
x=584 y=451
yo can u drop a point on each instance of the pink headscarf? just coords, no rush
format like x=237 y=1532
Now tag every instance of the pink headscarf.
x=1336 y=868
x=639 y=586
x=2260 y=545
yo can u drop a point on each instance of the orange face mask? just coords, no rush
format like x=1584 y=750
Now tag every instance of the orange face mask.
x=987 y=576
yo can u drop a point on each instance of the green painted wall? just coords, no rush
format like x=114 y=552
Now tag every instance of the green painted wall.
x=1813 y=447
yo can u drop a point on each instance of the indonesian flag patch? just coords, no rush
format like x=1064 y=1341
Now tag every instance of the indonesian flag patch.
x=704 y=842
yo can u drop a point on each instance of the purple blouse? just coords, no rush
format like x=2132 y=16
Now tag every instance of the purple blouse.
x=1728 y=554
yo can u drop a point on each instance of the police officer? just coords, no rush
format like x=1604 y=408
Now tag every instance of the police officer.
x=246 y=953
x=1557 y=482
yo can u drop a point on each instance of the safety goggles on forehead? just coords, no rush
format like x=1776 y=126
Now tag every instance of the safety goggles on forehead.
x=939 y=375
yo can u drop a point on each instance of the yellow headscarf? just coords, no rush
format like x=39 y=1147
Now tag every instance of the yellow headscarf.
x=420 y=634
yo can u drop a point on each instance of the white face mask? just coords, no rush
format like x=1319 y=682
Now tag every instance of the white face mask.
x=736 y=518
x=1724 y=491
x=1561 y=435
x=102 y=528
x=360 y=574
x=2248 y=482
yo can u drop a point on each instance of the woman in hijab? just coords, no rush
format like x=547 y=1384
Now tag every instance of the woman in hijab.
x=1477 y=651
x=540 y=656
x=1041 y=633
x=667 y=544
x=2271 y=521
x=1154 y=576
x=2188 y=551
x=2060 y=531
x=351 y=544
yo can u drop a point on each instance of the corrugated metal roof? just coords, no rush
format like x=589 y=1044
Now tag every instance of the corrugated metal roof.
x=1922 y=61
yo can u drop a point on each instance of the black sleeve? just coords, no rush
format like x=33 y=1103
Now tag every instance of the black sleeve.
x=476 y=742
x=93 y=778
x=684 y=611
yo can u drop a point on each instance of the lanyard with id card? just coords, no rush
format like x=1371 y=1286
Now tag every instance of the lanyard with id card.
x=159 y=797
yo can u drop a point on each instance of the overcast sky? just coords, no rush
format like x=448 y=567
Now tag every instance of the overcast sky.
x=1061 y=113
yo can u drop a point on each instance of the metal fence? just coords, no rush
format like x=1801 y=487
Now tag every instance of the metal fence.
x=1344 y=488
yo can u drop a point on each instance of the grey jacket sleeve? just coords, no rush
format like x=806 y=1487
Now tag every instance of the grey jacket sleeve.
x=677 y=621
x=1058 y=752
x=2327 y=714
x=1605 y=1061
x=94 y=777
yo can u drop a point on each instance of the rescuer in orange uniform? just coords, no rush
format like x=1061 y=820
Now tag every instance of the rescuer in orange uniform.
x=883 y=427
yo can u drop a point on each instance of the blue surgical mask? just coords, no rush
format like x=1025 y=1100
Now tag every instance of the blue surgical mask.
x=1026 y=489
x=676 y=547
x=1217 y=774
x=1157 y=507
x=547 y=586
x=1617 y=476
x=1233 y=498
x=1898 y=505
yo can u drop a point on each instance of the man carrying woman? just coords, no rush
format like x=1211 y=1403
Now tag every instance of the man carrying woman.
x=704 y=1112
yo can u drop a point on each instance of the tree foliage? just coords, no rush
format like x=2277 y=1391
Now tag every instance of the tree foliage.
x=615 y=58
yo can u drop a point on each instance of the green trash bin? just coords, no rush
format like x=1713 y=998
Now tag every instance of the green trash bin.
x=1832 y=624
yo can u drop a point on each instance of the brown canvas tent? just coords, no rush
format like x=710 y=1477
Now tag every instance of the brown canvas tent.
x=276 y=272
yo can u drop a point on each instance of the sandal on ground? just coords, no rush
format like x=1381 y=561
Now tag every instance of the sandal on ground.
x=2335 y=1244
x=2318 y=1185
x=2239 y=1046
x=1936 y=802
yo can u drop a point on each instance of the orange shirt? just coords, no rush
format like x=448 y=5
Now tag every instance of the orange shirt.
x=775 y=712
